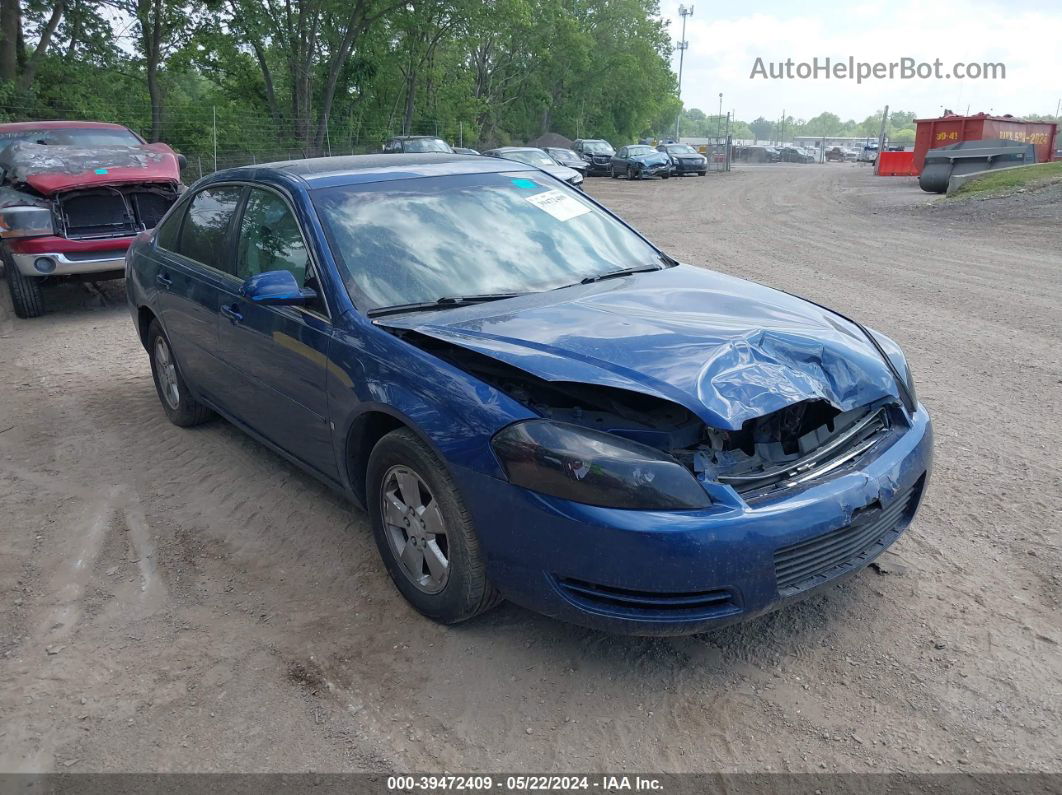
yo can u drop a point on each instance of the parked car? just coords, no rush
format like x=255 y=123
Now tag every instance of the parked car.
x=638 y=161
x=772 y=154
x=73 y=195
x=793 y=154
x=596 y=153
x=530 y=400
x=566 y=157
x=869 y=153
x=464 y=150
x=684 y=159
x=538 y=158
x=404 y=144
x=835 y=155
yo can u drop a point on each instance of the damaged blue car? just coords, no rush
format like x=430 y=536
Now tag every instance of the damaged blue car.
x=530 y=400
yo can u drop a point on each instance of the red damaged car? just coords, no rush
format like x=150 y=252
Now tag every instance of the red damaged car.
x=73 y=195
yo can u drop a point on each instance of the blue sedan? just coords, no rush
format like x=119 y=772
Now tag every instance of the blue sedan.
x=529 y=399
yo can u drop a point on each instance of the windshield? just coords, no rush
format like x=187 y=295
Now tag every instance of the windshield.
x=72 y=137
x=563 y=154
x=425 y=145
x=533 y=157
x=640 y=150
x=682 y=149
x=598 y=148
x=419 y=240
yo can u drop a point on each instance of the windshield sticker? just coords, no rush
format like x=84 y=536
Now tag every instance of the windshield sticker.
x=558 y=204
x=526 y=184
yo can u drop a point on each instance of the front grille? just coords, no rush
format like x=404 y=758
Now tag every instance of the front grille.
x=719 y=601
x=806 y=564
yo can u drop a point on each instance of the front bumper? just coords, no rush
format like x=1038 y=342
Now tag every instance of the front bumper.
x=689 y=167
x=598 y=168
x=664 y=573
x=654 y=170
x=69 y=257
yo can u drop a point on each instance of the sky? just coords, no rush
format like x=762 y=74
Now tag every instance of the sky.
x=725 y=39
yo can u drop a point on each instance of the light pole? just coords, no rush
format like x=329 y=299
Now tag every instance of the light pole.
x=719 y=118
x=681 y=47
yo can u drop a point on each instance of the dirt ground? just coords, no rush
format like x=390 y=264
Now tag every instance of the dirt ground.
x=178 y=600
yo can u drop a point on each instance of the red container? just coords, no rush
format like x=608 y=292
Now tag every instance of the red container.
x=934 y=133
x=896 y=164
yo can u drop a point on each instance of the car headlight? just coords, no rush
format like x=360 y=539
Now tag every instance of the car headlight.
x=595 y=468
x=25 y=222
x=898 y=360
x=576 y=179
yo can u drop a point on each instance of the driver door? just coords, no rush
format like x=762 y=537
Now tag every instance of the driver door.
x=277 y=354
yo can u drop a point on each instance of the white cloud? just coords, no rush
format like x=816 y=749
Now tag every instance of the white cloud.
x=723 y=49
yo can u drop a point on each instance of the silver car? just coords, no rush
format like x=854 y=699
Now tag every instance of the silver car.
x=533 y=156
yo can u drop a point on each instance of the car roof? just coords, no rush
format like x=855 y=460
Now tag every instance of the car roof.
x=516 y=149
x=322 y=172
x=415 y=138
x=17 y=126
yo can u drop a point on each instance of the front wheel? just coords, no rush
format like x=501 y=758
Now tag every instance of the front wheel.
x=701 y=173
x=631 y=173
x=26 y=295
x=612 y=172
x=181 y=408
x=424 y=532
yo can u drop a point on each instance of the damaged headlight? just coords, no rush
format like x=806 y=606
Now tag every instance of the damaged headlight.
x=898 y=360
x=25 y=222
x=595 y=468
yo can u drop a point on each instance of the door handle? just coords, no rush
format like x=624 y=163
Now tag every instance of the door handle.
x=232 y=312
x=164 y=280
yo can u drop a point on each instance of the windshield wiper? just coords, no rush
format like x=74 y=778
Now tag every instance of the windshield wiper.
x=616 y=274
x=446 y=302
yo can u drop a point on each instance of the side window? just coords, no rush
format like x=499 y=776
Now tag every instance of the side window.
x=203 y=233
x=270 y=238
x=170 y=228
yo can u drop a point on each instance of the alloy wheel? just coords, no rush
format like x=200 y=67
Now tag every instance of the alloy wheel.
x=166 y=371
x=415 y=529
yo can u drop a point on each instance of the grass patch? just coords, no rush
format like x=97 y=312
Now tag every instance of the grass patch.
x=1003 y=183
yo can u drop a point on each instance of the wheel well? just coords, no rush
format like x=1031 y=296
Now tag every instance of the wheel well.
x=144 y=317
x=366 y=431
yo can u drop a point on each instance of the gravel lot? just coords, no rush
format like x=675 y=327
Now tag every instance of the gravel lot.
x=185 y=600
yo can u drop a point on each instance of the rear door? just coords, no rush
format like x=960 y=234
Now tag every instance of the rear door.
x=277 y=354
x=192 y=267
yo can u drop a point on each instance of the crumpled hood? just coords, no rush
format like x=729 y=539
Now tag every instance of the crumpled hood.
x=726 y=349
x=654 y=159
x=49 y=169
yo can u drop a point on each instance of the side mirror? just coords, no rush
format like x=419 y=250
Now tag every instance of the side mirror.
x=276 y=287
x=182 y=161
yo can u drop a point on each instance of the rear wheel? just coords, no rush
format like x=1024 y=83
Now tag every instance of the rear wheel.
x=181 y=408
x=424 y=532
x=701 y=173
x=26 y=294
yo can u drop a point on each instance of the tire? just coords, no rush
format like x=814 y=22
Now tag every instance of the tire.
x=665 y=175
x=630 y=173
x=701 y=173
x=612 y=173
x=26 y=294
x=181 y=408
x=400 y=463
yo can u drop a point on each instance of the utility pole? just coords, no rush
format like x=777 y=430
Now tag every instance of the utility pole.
x=682 y=46
x=719 y=117
x=214 y=110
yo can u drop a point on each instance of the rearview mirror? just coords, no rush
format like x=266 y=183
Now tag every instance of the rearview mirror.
x=276 y=287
